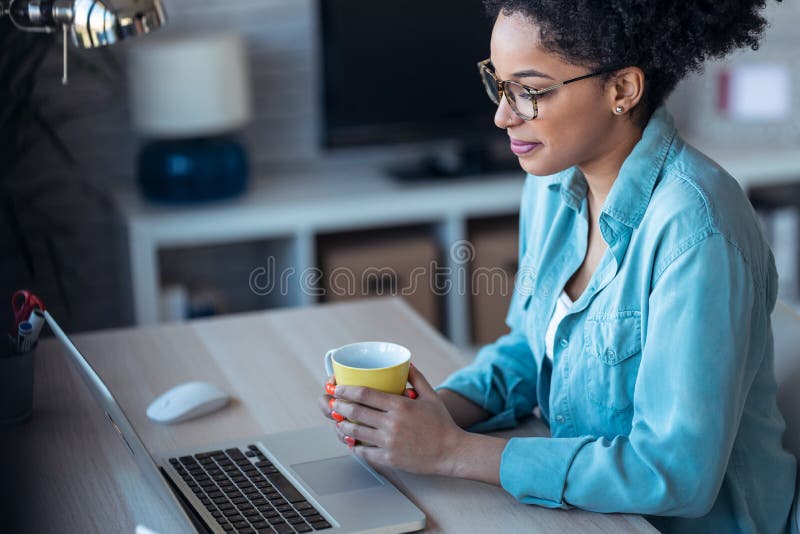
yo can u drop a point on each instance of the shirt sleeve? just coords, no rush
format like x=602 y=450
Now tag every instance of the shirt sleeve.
x=698 y=363
x=502 y=378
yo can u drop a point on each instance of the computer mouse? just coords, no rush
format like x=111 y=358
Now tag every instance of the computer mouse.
x=186 y=401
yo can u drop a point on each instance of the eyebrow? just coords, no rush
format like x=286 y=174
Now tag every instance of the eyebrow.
x=532 y=73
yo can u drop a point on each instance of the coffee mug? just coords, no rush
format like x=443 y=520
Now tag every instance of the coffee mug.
x=374 y=364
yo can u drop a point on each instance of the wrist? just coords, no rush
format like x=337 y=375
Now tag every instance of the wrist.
x=474 y=456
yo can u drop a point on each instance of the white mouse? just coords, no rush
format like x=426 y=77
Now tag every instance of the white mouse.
x=186 y=401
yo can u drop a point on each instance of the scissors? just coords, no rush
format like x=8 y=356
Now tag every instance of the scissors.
x=23 y=302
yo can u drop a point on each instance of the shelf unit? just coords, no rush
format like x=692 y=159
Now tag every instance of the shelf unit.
x=288 y=210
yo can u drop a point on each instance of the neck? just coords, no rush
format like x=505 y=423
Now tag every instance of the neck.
x=601 y=172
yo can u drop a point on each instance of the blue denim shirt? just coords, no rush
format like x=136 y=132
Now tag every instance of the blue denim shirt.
x=660 y=395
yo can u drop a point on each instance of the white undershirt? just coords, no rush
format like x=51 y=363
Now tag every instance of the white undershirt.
x=563 y=304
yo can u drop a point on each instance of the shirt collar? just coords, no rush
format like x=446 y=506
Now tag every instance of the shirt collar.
x=631 y=192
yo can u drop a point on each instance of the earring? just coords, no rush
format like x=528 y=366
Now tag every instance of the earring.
x=618 y=110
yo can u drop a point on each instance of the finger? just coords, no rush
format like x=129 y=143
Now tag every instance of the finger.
x=324 y=402
x=410 y=393
x=367 y=396
x=360 y=413
x=330 y=385
x=360 y=432
x=421 y=385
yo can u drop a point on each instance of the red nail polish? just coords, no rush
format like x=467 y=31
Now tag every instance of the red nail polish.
x=337 y=416
x=412 y=394
x=330 y=403
x=329 y=388
x=350 y=441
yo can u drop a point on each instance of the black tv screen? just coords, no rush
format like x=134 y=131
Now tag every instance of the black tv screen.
x=403 y=71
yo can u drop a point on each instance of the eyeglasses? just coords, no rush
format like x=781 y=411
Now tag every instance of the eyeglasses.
x=522 y=99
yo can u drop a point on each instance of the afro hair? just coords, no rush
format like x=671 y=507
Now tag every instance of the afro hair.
x=666 y=39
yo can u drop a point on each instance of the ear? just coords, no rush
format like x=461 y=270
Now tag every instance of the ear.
x=626 y=89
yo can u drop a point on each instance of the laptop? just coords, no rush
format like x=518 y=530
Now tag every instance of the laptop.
x=298 y=481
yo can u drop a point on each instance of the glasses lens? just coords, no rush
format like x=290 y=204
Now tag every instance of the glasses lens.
x=490 y=85
x=520 y=100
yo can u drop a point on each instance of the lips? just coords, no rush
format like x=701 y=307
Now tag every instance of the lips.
x=520 y=147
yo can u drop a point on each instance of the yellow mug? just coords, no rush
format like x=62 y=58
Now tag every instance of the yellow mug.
x=374 y=364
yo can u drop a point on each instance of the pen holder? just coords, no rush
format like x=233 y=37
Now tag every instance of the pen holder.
x=16 y=383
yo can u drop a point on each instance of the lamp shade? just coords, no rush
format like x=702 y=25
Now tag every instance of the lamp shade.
x=189 y=86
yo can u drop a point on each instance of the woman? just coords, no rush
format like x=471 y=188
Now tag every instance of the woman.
x=640 y=321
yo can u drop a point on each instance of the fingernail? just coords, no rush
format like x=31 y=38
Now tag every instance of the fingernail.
x=412 y=394
x=336 y=416
x=329 y=388
x=330 y=403
x=350 y=441
x=410 y=364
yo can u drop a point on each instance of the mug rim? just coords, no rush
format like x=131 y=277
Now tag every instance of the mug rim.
x=406 y=349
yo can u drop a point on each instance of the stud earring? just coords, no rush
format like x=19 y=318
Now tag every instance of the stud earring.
x=618 y=110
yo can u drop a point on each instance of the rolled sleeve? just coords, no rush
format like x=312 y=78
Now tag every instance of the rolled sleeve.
x=501 y=380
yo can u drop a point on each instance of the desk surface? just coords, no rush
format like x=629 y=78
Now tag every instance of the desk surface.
x=82 y=479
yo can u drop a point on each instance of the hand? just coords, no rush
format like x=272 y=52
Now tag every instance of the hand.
x=418 y=436
x=326 y=401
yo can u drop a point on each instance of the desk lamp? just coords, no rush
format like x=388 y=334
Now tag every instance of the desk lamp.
x=92 y=23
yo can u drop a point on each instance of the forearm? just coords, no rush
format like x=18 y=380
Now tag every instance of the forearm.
x=463 y=411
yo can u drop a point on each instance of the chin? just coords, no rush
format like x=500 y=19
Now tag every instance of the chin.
x=540 y=166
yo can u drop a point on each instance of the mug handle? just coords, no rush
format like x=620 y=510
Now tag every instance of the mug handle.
x=329 y=362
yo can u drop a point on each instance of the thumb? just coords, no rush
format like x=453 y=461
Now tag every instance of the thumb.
x=419 y=382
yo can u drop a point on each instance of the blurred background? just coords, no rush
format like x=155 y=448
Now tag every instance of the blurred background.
x=254 y=154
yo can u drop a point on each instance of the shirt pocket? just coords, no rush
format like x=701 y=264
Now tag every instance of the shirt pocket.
x=613 y=347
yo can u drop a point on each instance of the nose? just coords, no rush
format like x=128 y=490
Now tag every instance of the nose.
x=505 y=117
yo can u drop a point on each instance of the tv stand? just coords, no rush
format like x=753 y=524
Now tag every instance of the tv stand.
x=471 y=160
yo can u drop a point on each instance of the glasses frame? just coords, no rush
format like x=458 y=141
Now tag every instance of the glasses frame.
x=484 y=67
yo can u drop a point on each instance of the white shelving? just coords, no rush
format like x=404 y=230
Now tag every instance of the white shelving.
x=299 y=206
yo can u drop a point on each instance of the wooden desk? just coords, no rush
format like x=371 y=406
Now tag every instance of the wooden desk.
x=79 y=477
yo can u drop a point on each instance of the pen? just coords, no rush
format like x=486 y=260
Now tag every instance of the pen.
x=24 y=336
x=37 y=321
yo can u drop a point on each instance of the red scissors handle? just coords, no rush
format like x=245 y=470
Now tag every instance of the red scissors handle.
x=23 y=302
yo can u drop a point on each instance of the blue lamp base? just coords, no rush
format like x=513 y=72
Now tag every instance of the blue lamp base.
x=193 y=170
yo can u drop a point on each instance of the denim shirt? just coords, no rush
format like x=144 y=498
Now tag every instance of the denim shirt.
x=660 y=396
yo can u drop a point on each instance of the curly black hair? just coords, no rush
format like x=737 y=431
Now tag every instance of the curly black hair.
x=666 y=39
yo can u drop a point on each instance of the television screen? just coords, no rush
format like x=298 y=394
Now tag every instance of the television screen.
x=403 y=71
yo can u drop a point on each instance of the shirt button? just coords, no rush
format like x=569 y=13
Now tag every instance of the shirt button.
x=564 y=342
x=559 y=418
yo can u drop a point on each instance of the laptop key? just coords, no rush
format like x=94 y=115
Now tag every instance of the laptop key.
x=283 y=528
x=233 y=515
x=284 y=507
x=296 y=520
x=286 y=487
x=321 y=525
x=274 y=520
x=302 y=528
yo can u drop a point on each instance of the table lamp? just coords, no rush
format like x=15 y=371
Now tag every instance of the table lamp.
x=190 y=96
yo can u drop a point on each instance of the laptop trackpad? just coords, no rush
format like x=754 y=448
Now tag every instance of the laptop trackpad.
x=335 y=475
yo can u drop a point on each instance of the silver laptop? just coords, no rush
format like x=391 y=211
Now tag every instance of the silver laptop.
x=298 y=481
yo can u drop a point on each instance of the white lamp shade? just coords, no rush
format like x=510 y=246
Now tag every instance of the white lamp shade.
x=189 y=86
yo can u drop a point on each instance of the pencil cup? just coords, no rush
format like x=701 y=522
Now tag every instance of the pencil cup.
x=16 y=383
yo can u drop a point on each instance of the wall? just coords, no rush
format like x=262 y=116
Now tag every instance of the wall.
x=92 y=118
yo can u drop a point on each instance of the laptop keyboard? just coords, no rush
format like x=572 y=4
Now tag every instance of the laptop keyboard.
x=245 y=492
